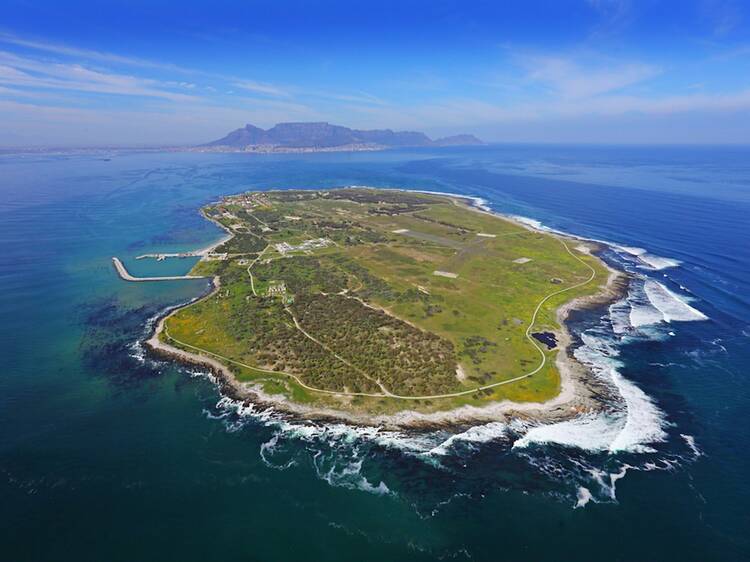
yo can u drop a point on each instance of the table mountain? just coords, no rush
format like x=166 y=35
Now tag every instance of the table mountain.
x=324 y=135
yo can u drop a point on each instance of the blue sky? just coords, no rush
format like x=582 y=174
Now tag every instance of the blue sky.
x=583 y=71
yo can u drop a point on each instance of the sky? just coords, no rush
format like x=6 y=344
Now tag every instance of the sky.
x=150 y=73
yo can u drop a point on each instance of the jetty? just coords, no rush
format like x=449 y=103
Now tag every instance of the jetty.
x=162 y=257
x=125 y=275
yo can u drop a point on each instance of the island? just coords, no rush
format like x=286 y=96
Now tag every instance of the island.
x=389 y=307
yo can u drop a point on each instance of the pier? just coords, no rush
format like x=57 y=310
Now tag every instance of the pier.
x=162 y=257
x=125 y=275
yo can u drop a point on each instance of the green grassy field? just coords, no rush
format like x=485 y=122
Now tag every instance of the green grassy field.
x=362 y=319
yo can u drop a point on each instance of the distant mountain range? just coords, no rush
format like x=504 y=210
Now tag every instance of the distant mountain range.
x=324 y=136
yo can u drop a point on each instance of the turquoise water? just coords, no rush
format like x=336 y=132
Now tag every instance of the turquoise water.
x=108 y=455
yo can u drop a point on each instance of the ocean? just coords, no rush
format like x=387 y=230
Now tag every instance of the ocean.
x=107 y=454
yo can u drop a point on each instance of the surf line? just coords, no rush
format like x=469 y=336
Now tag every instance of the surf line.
x=125 y=275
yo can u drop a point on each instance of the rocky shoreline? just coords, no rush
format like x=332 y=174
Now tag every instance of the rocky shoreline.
x=580 y=393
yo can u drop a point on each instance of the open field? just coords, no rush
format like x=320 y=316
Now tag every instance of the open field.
x=376 y=300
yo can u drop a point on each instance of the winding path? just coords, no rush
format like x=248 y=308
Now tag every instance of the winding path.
x=249 y=267
x=386 y=392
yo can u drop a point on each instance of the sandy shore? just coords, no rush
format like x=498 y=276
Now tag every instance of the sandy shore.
x=211 y=247
x=580 y=391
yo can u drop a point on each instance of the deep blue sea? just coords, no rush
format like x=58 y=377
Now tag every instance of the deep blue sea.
x=108 y=455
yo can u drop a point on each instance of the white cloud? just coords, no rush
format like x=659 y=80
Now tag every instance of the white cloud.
x=357 y=97
x=571 y=79
x=260 y=88
x=31 y=73
x=87 y=54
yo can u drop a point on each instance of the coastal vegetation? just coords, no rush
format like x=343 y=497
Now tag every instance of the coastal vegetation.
x=365 y=299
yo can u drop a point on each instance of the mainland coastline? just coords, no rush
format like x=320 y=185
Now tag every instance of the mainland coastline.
x=581 y=392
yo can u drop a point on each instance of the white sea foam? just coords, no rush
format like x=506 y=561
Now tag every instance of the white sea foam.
x=137 y=352
x=632 y=250
x=583 y=497
x=650 y=303
x=349 y=476
x=477 y=434
x=478 y=202
x=607 y=481
x=658 y=263
x=619 y=316
x=644 y=315
x=533 y=223
x=329 y=432
x=641 y=422
x=672 y=307
x=631 y=427
x=588 y=432
x=645 y=258
x=690 y=441
x=271 y=448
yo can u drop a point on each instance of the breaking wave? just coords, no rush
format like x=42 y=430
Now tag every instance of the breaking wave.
x=632 y=424
x=651 y=304
x=533 y=223
x=650 y=261
x=475 y=435
x=672 y=307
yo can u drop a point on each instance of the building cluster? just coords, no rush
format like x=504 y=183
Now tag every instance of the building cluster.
x=313 y=244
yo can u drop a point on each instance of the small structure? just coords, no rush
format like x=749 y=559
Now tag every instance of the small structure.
x=400 y=231
x=485 y=235
x=276 y=288
x=522 y=260
x=315 y=243
x=445 y=274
